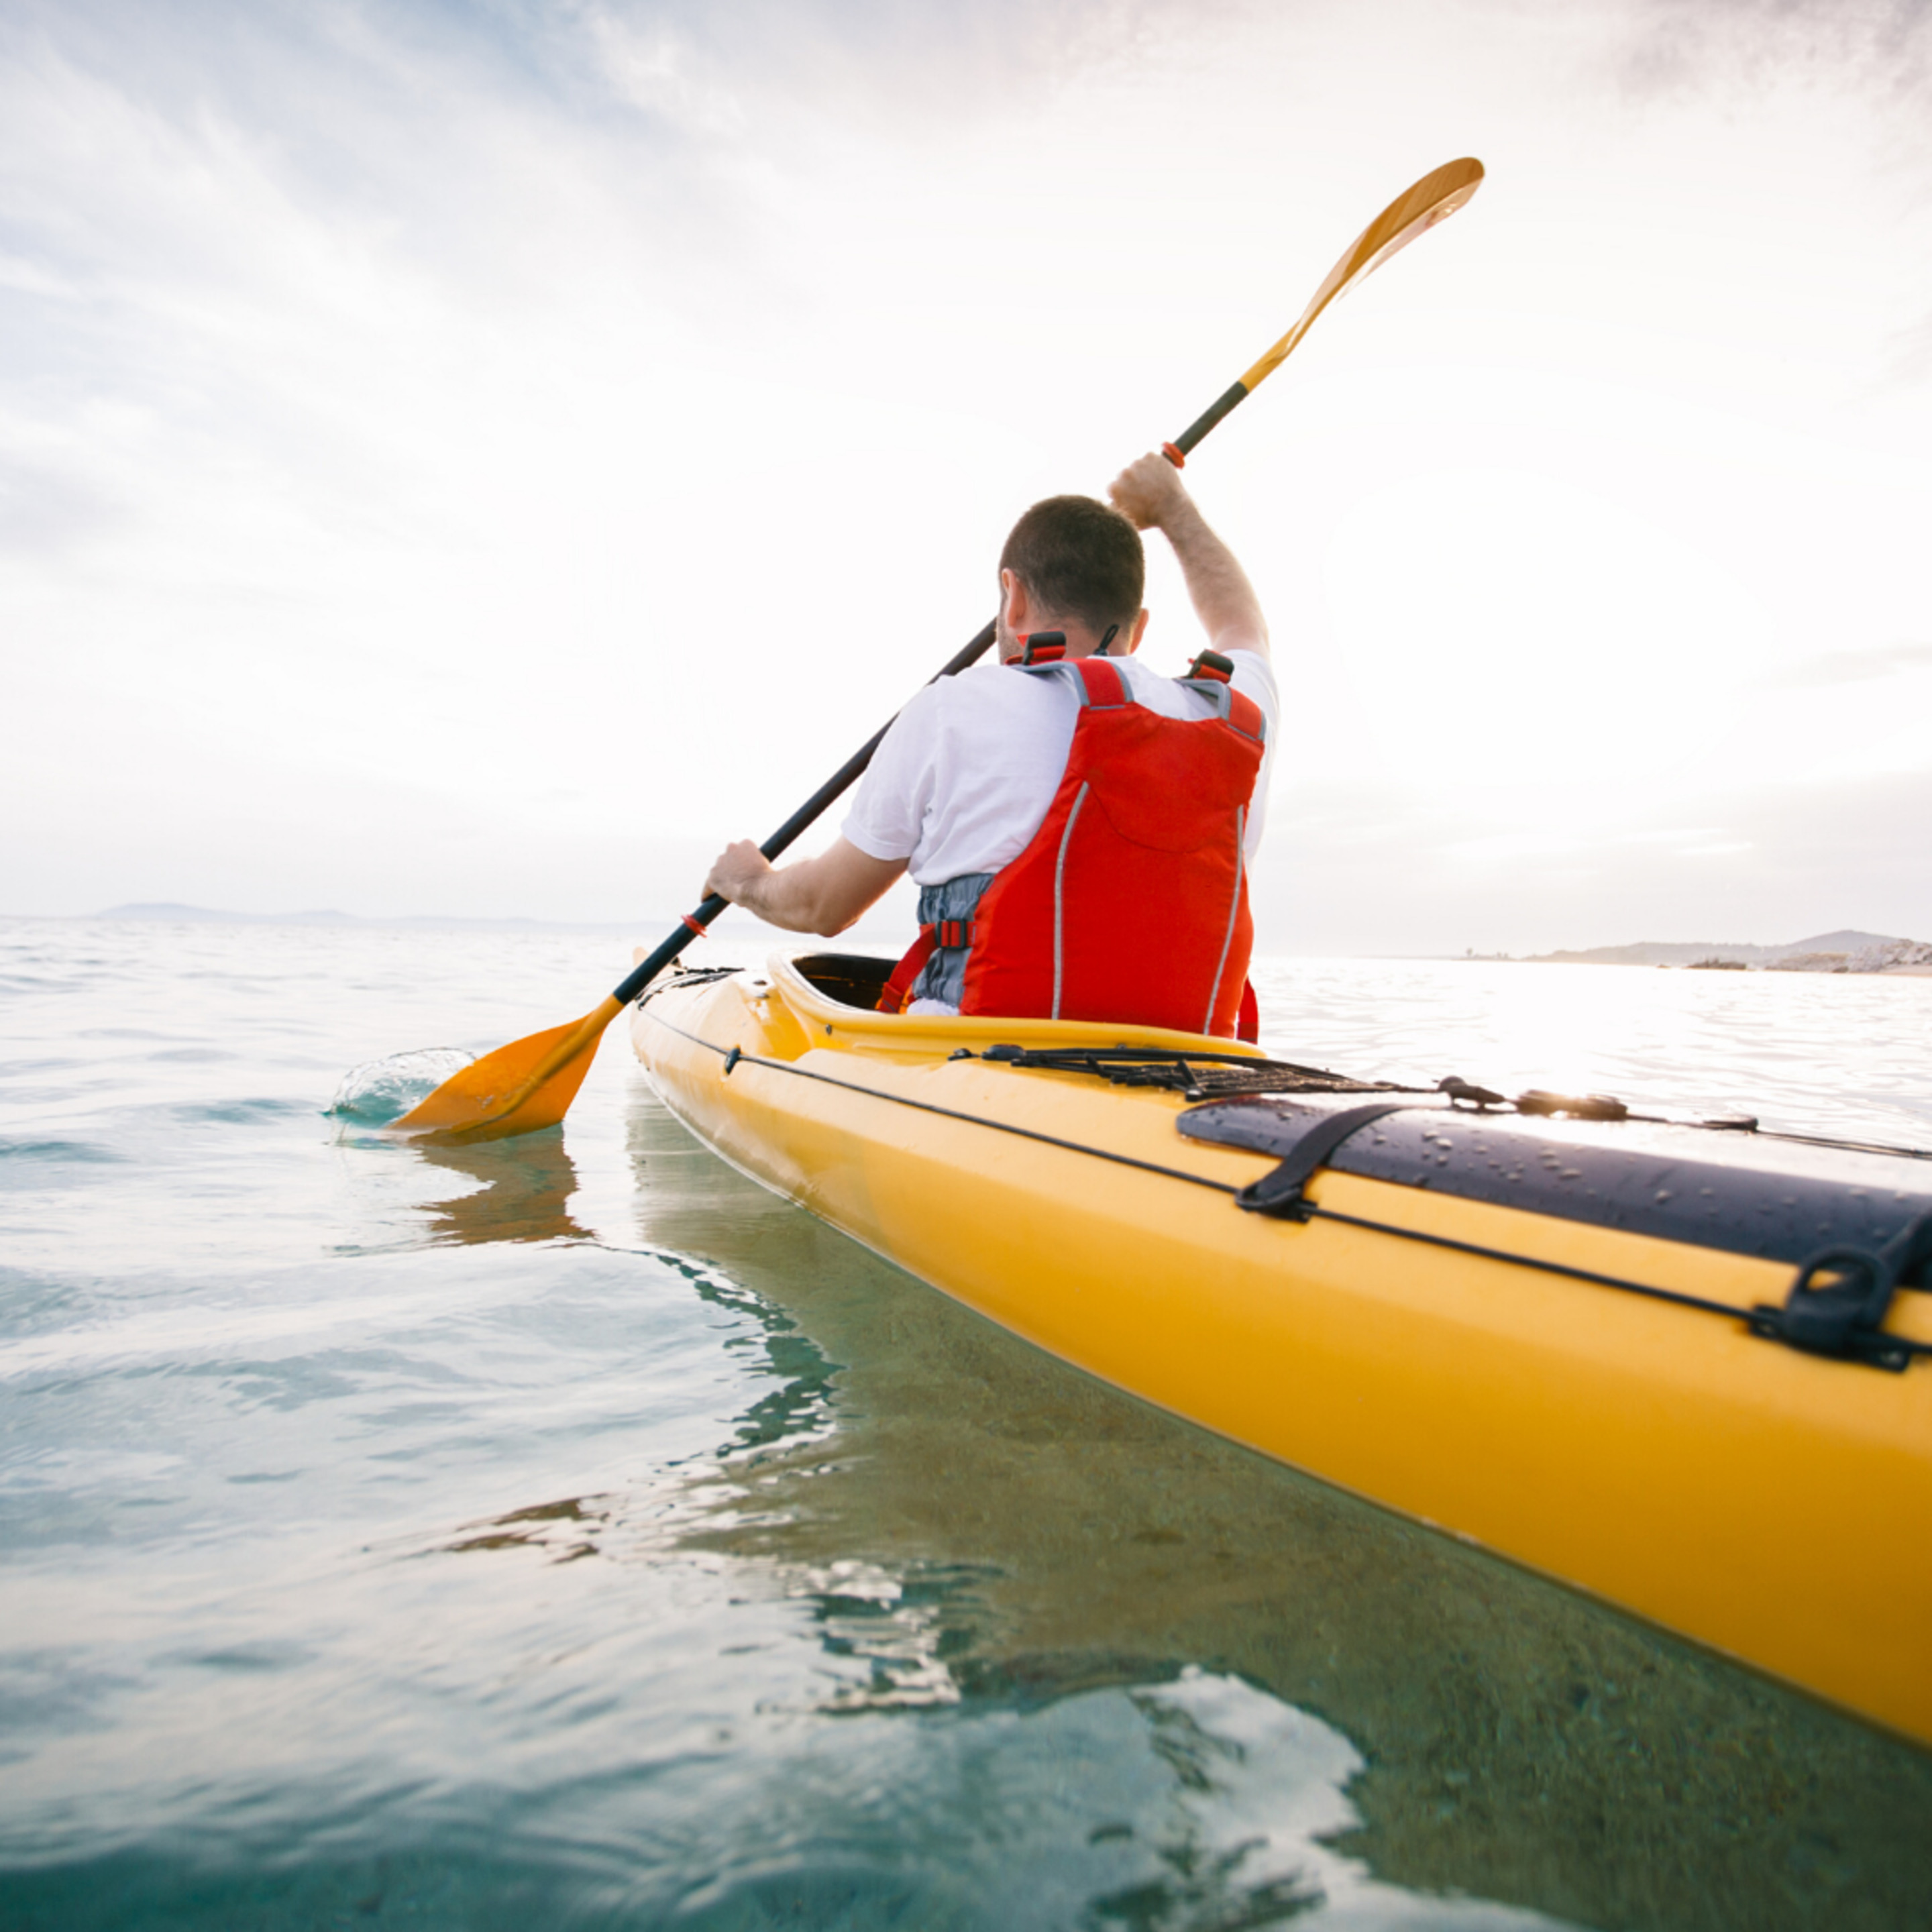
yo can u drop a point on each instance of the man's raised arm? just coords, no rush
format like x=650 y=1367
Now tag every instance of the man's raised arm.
x=1150 y=494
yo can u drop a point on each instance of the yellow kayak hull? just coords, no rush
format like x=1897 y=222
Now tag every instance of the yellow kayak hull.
x=1772 y=1505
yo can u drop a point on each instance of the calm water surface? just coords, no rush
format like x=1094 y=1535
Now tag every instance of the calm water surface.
x=568 y=1534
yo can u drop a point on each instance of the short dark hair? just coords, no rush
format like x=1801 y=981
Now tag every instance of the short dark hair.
x=1080 y=559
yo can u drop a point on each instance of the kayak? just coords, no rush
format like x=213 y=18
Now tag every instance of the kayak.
x=1681 y=1365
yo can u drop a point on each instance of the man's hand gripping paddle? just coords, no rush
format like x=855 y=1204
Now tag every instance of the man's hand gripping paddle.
x=529 y=1084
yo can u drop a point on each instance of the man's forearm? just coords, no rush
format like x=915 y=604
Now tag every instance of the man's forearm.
x=1150 y=496
x=789 y=896
x=824 y=895
x=1223 y=598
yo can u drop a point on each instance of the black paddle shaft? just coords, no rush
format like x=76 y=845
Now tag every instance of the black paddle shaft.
x=847 y=774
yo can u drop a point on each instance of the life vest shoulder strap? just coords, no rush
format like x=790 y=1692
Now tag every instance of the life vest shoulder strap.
x=1233 y=708
x=1103 y=687
x=1098 y=683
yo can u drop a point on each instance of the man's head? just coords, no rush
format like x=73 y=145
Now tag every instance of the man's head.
x=1073 y=564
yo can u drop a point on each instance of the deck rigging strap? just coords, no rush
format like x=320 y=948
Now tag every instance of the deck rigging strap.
x=1840 y=1298
x=1216 y=1076
x=1278 y=1193
x=1196 y=1076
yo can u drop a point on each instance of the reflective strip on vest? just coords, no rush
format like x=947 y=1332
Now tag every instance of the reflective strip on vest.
x=1059 y=903
x=1234 y=911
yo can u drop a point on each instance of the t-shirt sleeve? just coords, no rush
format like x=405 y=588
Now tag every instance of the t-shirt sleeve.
x=889 y=809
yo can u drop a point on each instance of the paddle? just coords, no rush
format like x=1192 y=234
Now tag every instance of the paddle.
x=529 y=1084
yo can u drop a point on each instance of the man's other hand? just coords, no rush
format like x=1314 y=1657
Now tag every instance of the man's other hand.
x=1148 y=491
x=736 y=871
x=824 y=895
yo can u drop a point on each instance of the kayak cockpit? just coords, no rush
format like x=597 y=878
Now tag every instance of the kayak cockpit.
x=852 y=979
x=833 y=997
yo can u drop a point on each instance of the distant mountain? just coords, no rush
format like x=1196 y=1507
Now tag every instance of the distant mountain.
x=178 y=915
x=182 y=915
x=1654 y=953
x=1847 y=951
x=1846 y=941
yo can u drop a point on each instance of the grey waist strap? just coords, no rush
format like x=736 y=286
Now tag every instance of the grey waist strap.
x=944 y=975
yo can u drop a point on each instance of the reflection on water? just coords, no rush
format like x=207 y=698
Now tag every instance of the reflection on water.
x=1838 y=1055
x=1019 y=1530
x=524 y=1186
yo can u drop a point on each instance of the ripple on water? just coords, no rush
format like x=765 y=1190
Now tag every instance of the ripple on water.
x=381 y=1090
x=1198 y=1802
x=57 y=1153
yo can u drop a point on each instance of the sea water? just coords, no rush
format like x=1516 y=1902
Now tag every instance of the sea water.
x=566 y=1533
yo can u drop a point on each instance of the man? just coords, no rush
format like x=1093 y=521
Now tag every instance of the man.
x=973 y=789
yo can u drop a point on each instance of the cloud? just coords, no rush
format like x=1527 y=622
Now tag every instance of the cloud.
x=1857 y=667
x=1911 y=360
x=496 y=145
x=137 y=132
x=691 y=60
x=46 y=511
x=1883 y=47
x=1763 y=864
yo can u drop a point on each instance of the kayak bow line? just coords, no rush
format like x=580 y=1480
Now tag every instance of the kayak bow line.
x=528 y=1085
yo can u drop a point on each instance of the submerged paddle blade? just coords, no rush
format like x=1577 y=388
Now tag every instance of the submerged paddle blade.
x=519 y=1089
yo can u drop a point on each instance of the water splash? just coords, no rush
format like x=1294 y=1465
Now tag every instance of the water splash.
x=380 y=1091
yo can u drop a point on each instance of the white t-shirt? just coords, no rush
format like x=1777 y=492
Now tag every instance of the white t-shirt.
x=967 y=775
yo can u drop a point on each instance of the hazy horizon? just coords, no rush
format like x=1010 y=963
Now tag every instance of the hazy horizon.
x=877 y=931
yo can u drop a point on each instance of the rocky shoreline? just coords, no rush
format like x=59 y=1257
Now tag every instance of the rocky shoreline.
x=1847 y=951
x=1906 y=957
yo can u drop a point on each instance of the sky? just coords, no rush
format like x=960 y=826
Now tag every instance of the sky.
x=474 y=460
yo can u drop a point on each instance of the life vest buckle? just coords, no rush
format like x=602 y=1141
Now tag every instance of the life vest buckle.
x=1212 y=663
x=1044 y=647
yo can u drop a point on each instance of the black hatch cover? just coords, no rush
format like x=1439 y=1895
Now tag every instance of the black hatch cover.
x=1781 y=1201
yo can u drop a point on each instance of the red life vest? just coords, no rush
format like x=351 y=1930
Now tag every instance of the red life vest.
x=1130 y=903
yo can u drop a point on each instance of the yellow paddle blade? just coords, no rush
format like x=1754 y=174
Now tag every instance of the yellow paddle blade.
x=1433 y=199
x=518 y=1089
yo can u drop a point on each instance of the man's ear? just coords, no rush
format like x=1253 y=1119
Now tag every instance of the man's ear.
x=1014 y=610
x=1134 y=637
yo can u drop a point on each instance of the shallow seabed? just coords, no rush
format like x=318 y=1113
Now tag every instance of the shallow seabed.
x=566 y=1533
